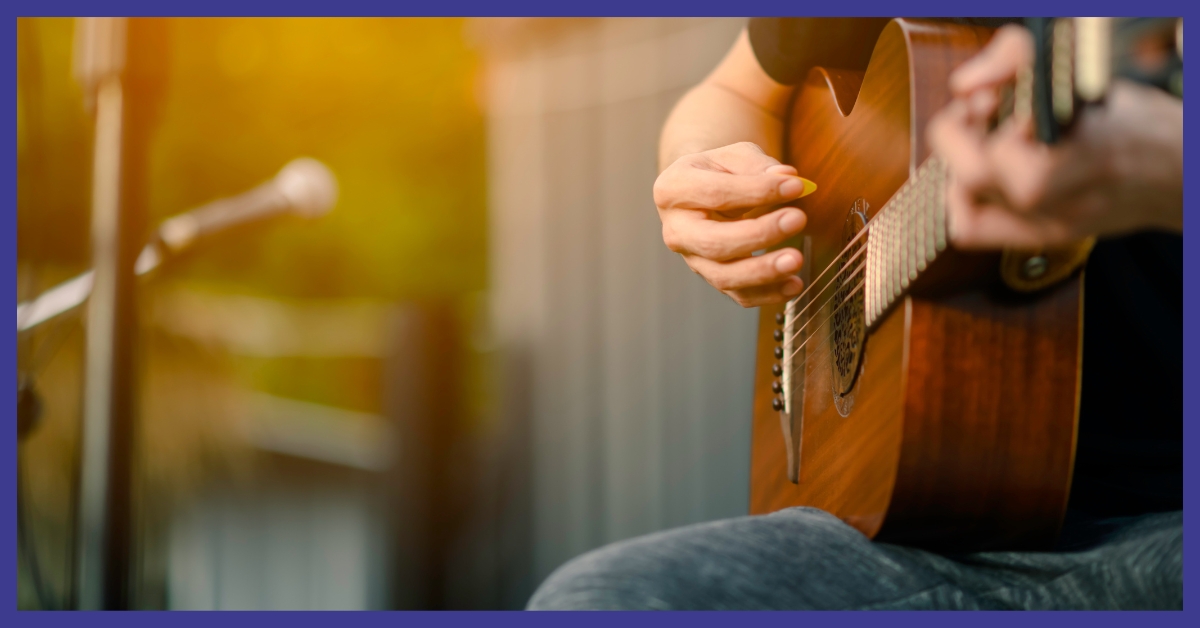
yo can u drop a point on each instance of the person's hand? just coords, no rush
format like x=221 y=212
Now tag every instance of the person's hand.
x=1120 y=168
x=703 y=199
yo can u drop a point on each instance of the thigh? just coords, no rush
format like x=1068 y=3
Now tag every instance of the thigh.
x=1127 y=563
x=799 y=558
x=803 y=558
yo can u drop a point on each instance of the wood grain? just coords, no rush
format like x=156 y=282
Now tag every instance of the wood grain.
x=962 y=431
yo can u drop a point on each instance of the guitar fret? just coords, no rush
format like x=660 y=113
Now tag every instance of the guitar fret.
x=939 y=211
x=906 y=235
x=922 y=218
x=910 y=250
x=931 y=219
x=897 y=254
x=869 y=277
x=893 y=234
x=885 y=253
x=910 y=263
x=903 y=211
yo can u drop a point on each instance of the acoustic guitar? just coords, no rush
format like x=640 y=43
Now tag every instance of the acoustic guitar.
x=924 y=395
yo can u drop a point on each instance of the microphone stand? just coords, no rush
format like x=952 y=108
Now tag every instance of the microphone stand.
x=103 y=566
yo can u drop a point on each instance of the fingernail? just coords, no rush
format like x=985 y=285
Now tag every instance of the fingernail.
x=791 y=220
x=791 y=188
x=782 y=169
x=786 y=263
x=792 y=288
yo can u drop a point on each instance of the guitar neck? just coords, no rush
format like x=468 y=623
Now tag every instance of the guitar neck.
x=906 y=235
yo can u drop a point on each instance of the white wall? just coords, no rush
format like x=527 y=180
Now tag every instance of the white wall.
x=639 y=373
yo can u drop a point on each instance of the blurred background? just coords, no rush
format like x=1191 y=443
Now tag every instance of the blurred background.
x=481 y=363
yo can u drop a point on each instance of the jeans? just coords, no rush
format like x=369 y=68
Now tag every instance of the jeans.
x=804 y=558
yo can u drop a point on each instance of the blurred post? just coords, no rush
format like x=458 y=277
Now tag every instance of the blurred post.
x=432 y=475
x=120 y=64
x=103 y=543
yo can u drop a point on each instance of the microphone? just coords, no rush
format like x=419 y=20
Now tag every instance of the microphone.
x=304 y=187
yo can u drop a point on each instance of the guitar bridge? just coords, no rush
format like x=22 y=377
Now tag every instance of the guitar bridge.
x=792 y=334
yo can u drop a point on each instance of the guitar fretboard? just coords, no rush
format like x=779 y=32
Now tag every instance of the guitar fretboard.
x=905 y=236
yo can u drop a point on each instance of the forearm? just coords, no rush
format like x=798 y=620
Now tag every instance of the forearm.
x=1149 y=153
x=738 y=102
x=711 y=116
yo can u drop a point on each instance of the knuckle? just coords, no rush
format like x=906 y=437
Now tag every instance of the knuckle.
x=762 y=193
x=750 y=146
x=716 y=280
x=709 y=196
x=661 y=194
x=768 y=230
x=766 y=270
x=764 y=234
x=937 y=131
x=707 y=247
x=971 y=182
x=671 y=238
x=669 y=187
x=964 y=234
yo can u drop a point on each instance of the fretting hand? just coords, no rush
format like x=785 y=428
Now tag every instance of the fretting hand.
x=1119 y=170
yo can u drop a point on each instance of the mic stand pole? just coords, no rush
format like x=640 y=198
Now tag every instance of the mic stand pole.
x=103 y=565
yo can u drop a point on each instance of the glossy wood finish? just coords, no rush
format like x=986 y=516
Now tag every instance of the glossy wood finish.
x=961 y=435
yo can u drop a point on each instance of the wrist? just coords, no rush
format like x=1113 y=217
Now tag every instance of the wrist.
x=1148 y=153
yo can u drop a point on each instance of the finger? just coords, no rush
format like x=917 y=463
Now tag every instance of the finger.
x=712 y=190
x=740 y=158
x=767 y=295
x=961 y=144
x=748 y=272
x=982 y=104
x=1010 y=50
x=695 y=234
x=1025 y=169
x=993 y=226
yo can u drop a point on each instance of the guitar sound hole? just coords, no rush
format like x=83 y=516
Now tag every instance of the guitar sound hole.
x=849 y=326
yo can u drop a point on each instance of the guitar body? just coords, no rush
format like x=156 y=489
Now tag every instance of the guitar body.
x=958 y=432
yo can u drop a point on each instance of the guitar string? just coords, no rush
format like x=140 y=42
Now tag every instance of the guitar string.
x=828 y=347
x=910 y=183
x=817 y=354
x=861 y=233
x=927 y=168
x=820 y=352
x=829 y=299
x=848 y=265
x=824 y=322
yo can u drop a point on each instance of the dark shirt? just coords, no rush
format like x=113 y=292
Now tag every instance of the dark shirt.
x=1129 y=454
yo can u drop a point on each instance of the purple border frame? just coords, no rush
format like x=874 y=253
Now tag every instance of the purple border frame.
x=558 y=8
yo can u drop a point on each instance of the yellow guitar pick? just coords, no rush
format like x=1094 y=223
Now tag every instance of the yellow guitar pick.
x=809 y=187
